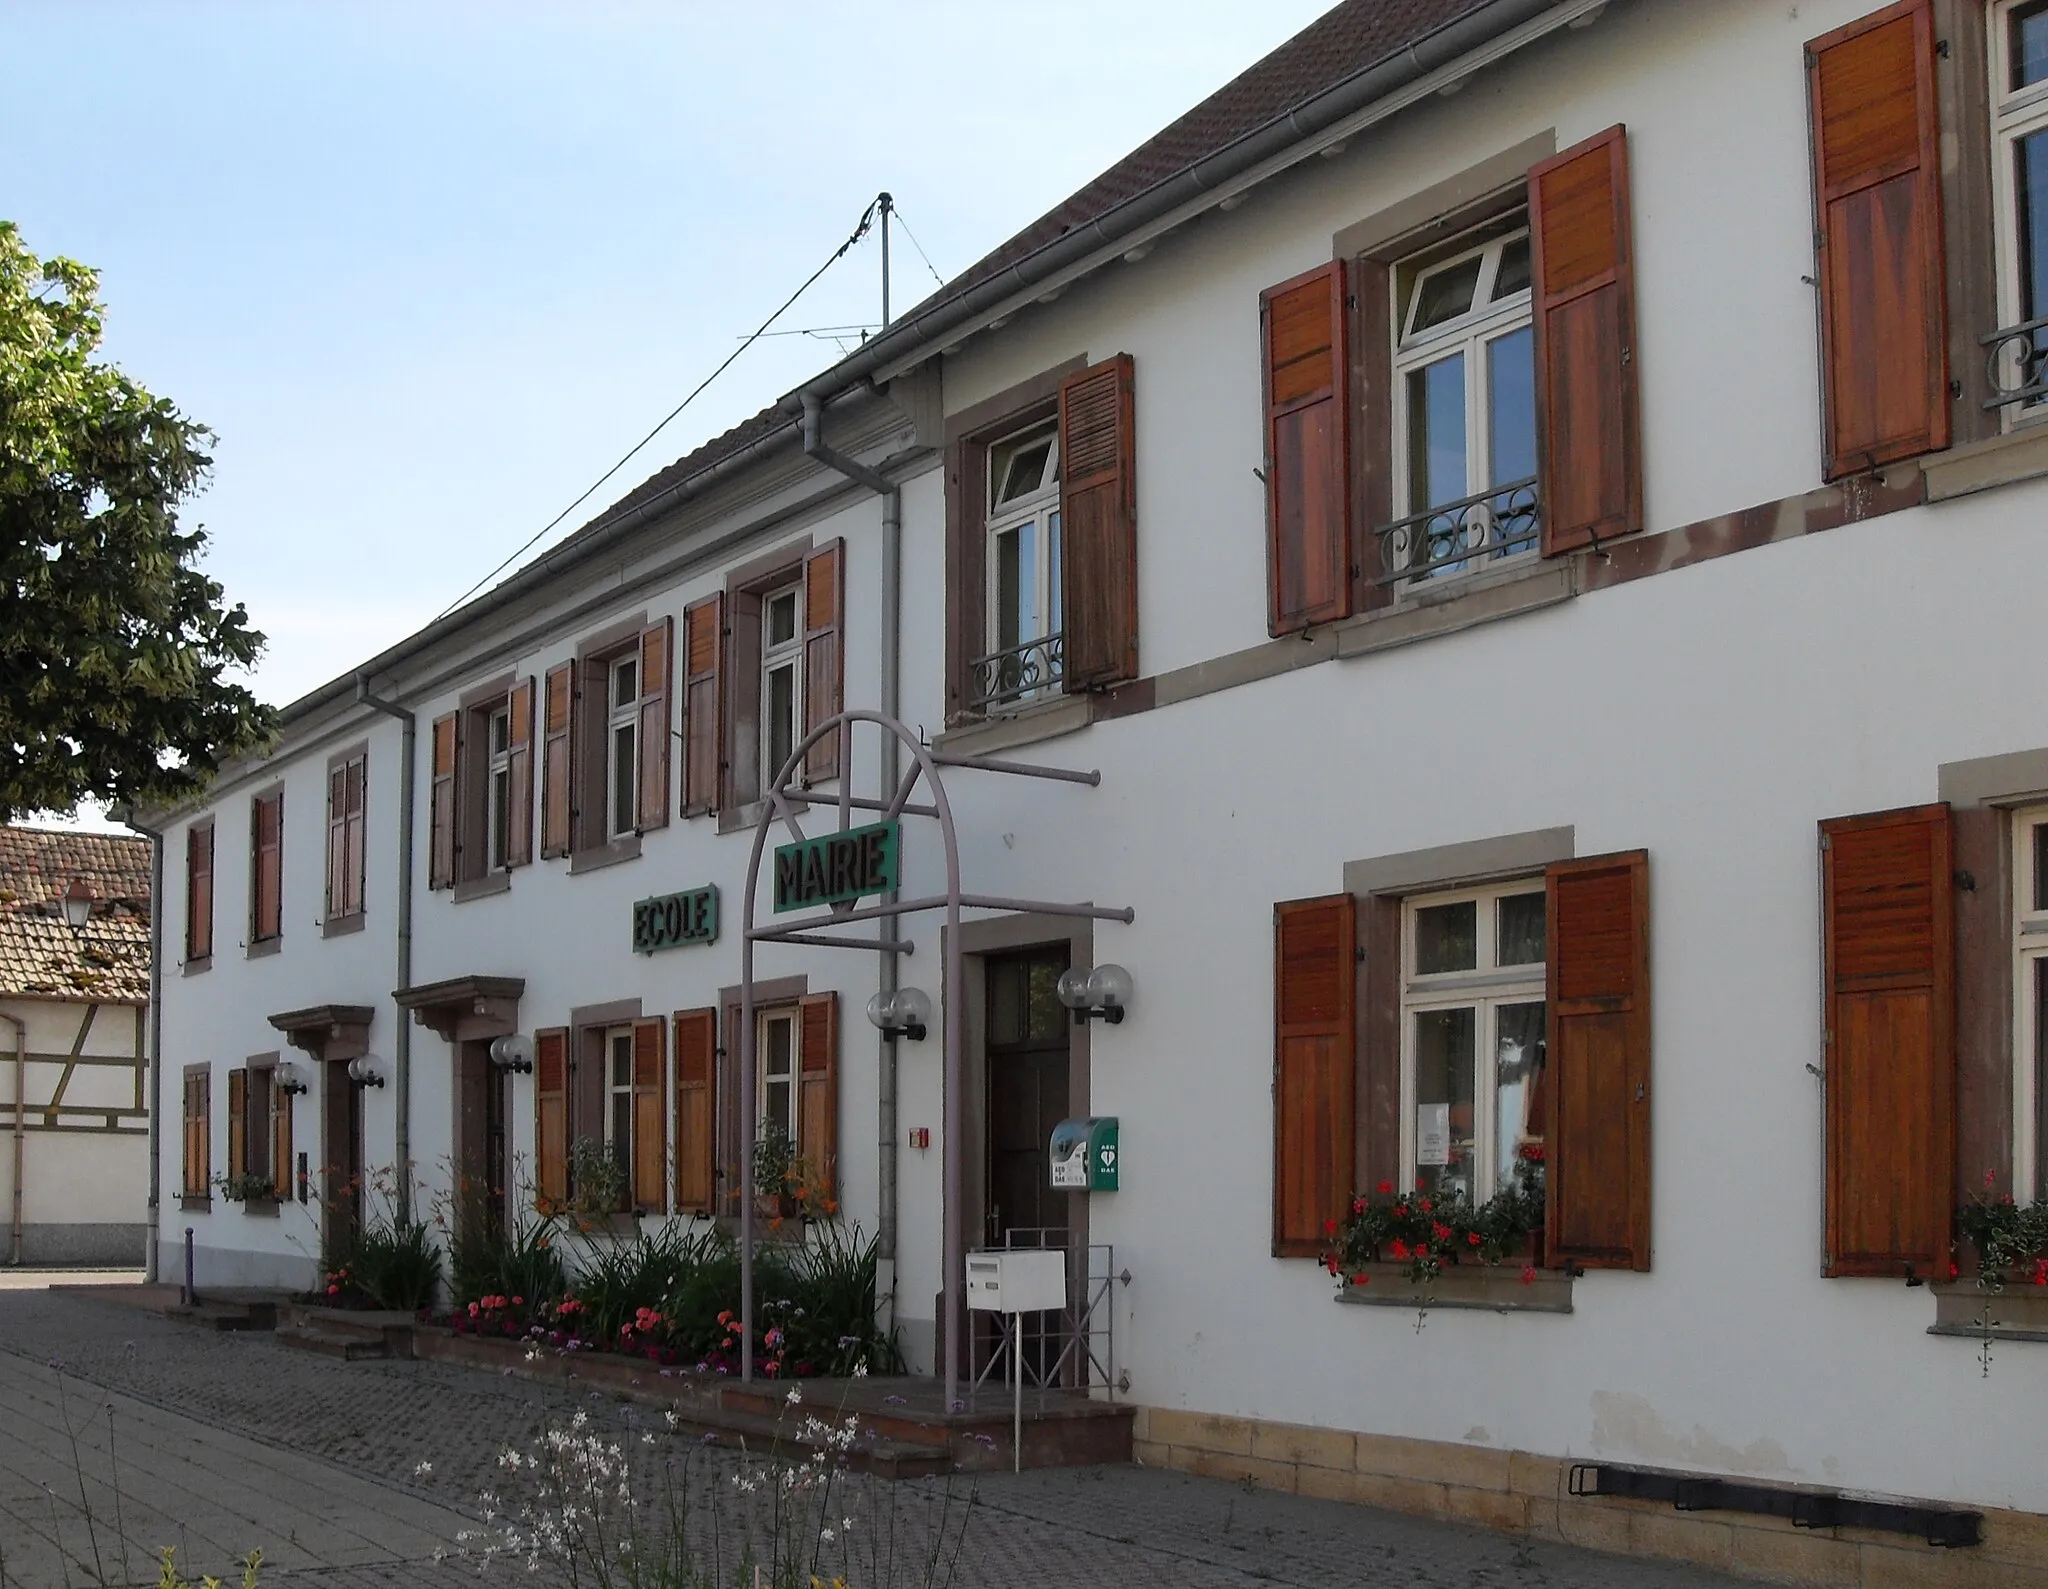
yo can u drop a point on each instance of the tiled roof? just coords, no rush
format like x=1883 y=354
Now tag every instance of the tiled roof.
x=40 y=956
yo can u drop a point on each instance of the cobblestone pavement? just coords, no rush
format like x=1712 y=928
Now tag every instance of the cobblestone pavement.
x=350 y=1474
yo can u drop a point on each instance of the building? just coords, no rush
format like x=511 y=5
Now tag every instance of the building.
x=1531 y=507
x=74 y=1000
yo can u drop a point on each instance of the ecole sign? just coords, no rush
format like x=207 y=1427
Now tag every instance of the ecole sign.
x=837 y=868
x=668 y=921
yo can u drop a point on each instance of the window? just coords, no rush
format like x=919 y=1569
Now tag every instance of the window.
x=618 y=1097
x=2019 y=135
x=482 y=797
x=1464 y=409
x=1025 y=643
x=346 y=787
x=622 y=753
x=1472 y=1036
x=775 y=1048
x=2030 y=1005
x=782 y=679
x=498 y=795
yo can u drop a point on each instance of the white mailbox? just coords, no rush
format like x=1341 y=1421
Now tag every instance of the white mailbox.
x=1016 y=1282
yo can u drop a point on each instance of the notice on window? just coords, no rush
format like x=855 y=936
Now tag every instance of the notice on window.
x=1432 y=1134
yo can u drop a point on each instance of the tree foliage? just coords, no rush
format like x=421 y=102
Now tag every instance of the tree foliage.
x=117 y=649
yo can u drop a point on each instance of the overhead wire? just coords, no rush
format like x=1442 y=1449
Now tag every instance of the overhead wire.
x=914 y=243
x=867 y=219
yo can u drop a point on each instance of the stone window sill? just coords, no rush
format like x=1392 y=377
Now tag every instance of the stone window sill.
x=484 y=887
x=193 y=968
x=261 y=1207
x=264 y=946
x=340 y=926
x=2018 y=1313
x=599 y=856
x=191 y=1204
x=1028 y=725
x=1456 y=605
x=1497 y=1288
x=2020 y=454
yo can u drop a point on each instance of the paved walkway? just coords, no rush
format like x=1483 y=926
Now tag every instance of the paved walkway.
x=353 y=1476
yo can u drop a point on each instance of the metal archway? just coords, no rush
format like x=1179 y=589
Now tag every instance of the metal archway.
x=892 y=805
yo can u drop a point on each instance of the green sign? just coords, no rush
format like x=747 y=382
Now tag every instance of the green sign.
x=670 y=920
x=1085 y=1154
x=837 y=868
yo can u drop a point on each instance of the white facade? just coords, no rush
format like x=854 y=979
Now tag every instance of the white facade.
x=1709 y=714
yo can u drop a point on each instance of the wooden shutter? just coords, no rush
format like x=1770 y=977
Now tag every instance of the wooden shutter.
x=199 y=892
x=356 y=801
x=824 y=653
x=280 y=1140
x=519 y=763
x=266 y=838
x=1099 y=525
x=441 y=806
x=1588 y=429
x=703 y=705
x=696 y=1051
x=1888 y=935
x=337 y=841
x=657 y=646
x=817 y=1130
x=1314 y=981
x=554 y=762
x=1304 y=328
x=238 y=1122
x=1878 y=230
x=650 y=1140
x=198 y=1132
x=551 y=1117
x=1596 y=1081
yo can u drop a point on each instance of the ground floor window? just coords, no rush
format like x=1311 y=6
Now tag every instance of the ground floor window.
x=775 y=1049
x=618 y=1097
x=2030 y=1004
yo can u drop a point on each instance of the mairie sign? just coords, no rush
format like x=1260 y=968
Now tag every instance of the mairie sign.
x=669 y=920
x=837 y=867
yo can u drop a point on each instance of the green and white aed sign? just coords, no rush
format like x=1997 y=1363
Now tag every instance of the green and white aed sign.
x=837 y=868
x=1084 y=1155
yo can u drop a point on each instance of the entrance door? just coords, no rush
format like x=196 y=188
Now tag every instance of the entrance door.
x=341 y=1128
x=480 y=1156
x=1028 y=1094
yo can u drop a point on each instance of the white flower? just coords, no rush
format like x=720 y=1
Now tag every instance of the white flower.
x=423 y=1470
x=795 y=1396
x=827 y=1535
x=673 y=1420
x=860 y=1369
x=647 y=1440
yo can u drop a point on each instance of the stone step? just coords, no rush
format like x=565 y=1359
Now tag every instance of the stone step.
x=882 y=1455
x=221 y=1315
x=332 y=1343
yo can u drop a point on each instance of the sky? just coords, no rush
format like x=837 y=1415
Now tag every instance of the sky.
x=428 y=270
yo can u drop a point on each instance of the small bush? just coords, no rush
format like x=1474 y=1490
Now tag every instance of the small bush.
x=487 y=1260
x=391 y=1261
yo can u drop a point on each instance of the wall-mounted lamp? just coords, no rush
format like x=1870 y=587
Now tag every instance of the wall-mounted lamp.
x=905 y=1013
x=290 y=1079
x=363 y=1071
x=78 y=900
x=513 y=1053
x=1103 y=992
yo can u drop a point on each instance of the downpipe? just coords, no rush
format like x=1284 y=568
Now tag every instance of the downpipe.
x=401 y=1042
x=20 y=1120
x=153 y=1261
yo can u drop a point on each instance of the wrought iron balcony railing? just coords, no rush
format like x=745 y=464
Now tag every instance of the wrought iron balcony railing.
x=2016 y=363
x=1461 y=537
x=1003 y=677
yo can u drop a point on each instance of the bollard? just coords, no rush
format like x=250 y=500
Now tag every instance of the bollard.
x=190 y=1296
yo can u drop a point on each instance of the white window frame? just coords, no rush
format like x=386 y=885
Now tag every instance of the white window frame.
x=781 y=656
x=2030 y=948
x=1486 y=989
x=766 y=1020
x=618 y=1039
x=1470 y=335
x=621 y=718
x=1040 y=508
x=498 y=788
x=2015 y=114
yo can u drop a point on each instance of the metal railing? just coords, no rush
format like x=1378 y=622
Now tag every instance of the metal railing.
x=2016 y=363
x=1074 y=1349
x=1461 y=537
x=1005 y=676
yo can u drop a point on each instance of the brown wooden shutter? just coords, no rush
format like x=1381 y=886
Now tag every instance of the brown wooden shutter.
x=1888 y=935
x=817 y=1130
x=238 y=1122
x=441 y=806
x=1878 y=228
x=199 y=892
x=519 y=763
x=198 y=1132
x=551 y=1117
x=1099 y=525
x=555 y=791
x=703 y=703
x=696 y=1052
x=1984 y=1008
x=824 y=653
x=1588 y=428
x=650 y=1140
x=1596 y=1080
x=657 y=647
x=337 y=841
x=1304 y=326
x=266 y=820
x=280 y=1140
x=356 y=796
x=1314 y=961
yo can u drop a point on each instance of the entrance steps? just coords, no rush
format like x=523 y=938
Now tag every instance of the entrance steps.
x=350 y=1334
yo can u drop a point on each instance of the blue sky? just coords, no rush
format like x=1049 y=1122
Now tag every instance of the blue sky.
x=429 y=269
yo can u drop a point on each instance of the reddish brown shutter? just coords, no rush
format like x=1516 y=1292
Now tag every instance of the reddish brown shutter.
x=551 y=1117
x=1889 y=986
x=555 y=795
x=1314 y=955
x=441 y=806
x=1877 y=202
x=1099 y=525
x=817 y=1107
x=198 y=1132
x=238 y=1122
x=266 y=843
x=356 y=794
x=280 y=1140
x=824 y=653
x=696 y=1046
x=199 y=892
x=657 y=646
x=650 y=1145
x=519 y=763
x=1984 y=994
x=337 y=841
x=1304 y=325
x=703 y=706
x=1589 y=442
x=1596 y=1083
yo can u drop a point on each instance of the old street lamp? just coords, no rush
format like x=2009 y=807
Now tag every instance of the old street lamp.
x=905 y=1013
x=514 y=1053
x=78 y=900
x=1104 y=992
x=363 y=1071
x=290 y=1079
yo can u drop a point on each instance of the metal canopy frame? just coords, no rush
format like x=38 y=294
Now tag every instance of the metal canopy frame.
x=785 y=805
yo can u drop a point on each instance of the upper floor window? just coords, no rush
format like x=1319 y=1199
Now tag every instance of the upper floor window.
x=1464 y=409
x=346 y=802
x=622 y=758
x=782 y=679
x=1025 y=644
x=498 y=799
x=481 y=804
x=2019 y=114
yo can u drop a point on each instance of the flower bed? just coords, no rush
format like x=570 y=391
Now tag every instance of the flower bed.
x=1421 y=1238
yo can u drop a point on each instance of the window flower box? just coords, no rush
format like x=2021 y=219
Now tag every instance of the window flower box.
x=1499 y=1288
